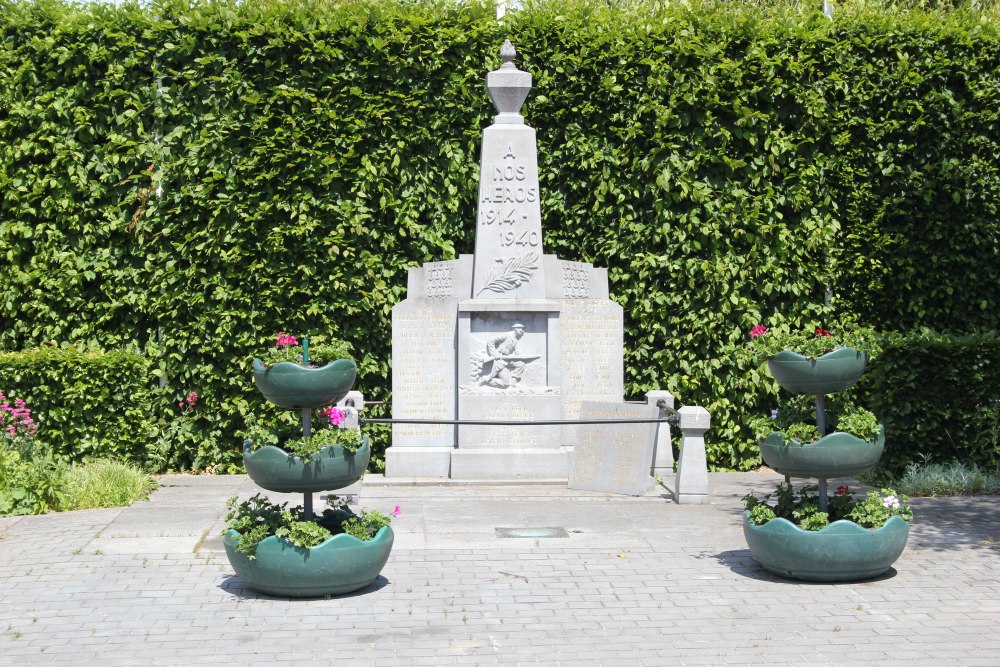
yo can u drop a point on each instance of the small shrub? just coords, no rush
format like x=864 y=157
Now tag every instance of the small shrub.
x=104 y=483
x=951 y=479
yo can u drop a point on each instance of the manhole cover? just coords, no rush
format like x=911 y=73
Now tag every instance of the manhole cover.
x=532 y=532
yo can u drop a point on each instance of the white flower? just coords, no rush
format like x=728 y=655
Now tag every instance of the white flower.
x=890 y=502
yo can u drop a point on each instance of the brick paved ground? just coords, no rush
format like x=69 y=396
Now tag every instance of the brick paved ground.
x=638 y=582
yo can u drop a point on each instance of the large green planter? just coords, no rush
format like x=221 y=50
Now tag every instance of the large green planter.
x=833 y=455
x=339 y=565
x=331 y=468
x=842 y=551
x=289 y=385
x=834 y=371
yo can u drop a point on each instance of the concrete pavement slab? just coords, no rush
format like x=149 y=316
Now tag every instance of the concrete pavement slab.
x=638 y=581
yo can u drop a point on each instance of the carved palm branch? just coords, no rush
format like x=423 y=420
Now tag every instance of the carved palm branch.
x=508 y=273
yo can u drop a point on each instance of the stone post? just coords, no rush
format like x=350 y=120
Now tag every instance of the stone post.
x=663 y=452
x=692 y=468
x=351 y=405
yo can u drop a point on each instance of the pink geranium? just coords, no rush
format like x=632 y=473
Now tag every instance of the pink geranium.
x=335 y=415
x=286 y=340
x=758 y=331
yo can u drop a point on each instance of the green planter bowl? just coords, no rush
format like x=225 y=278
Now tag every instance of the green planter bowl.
x=833 y=455
x=834 y=371
x=339 y=565
x=331 y=468
x=842 y=551
x=289 y=385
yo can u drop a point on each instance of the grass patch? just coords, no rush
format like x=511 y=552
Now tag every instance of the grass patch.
x=104 y=483
x=947 y=479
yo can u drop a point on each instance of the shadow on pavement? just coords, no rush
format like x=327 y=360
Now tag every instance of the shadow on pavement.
x=741 y=561
x=239 y=588
x=955 y=522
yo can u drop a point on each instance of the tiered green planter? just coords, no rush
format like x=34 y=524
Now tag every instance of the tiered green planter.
x=833 y=455
x=843 y=550
x=274 y=469
x=834 y=371
x=341 y=564
x=289 y=385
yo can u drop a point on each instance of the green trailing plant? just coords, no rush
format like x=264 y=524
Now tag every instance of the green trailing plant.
x=365 y=525
x=258 y=518
x=326 y=432
x=348 y=438
x=860 y=423
x=877 y=507
x=302 y=534
x=801 y=507
x=253 y=520
x=795 y=419
x=765 y=343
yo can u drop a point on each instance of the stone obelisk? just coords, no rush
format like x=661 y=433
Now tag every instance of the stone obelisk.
x=508 y=259
x=506 y=335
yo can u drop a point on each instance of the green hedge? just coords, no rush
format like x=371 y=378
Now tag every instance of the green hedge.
x=938 y=396
x=88 y=404
x=197 y=178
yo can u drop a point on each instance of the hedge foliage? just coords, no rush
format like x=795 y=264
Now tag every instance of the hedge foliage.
x=191 y=179
x=88 y=404
x=939 y=397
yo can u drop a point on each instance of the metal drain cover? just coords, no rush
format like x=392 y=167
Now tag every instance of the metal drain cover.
x=532 y=532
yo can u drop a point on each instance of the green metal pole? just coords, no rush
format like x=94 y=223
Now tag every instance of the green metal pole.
x=307 y=498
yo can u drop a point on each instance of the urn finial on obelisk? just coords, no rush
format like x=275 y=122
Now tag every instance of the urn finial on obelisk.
x=508 y=87
x=508 y=262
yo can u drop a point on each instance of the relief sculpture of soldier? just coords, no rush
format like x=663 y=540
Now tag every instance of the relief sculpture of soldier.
x=504 y=359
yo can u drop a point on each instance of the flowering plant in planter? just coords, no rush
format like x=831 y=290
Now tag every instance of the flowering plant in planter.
x=321 y=351
x=766 y=343
x=289 y=438
x=802 y=507
x=257 y=519
x=795 y=420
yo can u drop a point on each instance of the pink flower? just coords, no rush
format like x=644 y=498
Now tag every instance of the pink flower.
x=823 y=332
x=396 y=511
x=286 y=340
x=758 y=331
x=188 y=403
x=335 y=415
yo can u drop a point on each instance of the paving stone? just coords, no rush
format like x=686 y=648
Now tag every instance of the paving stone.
x=684 y=592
